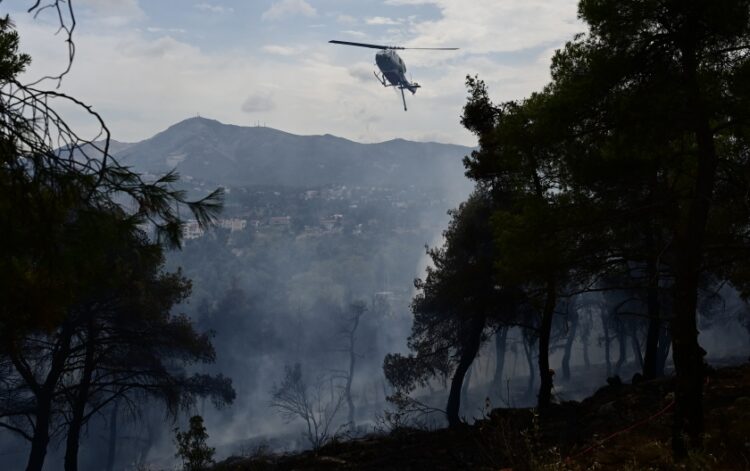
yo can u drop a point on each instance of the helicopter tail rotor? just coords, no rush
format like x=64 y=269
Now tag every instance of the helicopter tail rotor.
x=413 y=85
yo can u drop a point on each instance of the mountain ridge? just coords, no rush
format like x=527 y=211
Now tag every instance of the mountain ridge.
x=232 y=155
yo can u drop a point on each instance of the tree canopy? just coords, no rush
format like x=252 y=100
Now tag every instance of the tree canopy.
x=628 y=171
x=87 y=307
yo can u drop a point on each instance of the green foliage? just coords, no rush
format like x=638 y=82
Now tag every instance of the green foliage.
x=192 y=448
x=54 y=188
x=635 y=155
x=12 y=63
x=86 y=312
x=459 y=286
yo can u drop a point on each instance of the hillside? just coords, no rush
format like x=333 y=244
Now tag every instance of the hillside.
x=228 y=155
x=624 y=427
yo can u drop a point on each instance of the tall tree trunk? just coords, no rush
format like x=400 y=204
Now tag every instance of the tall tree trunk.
x=465 y=386
x=689 y=243
x=349 y=378
x=665 y=343
x=501 y=341
x=40 y=439
x=585 y=344
x=688 y=363
x=605 y=327
x=112 y=442
x=358 y=310
x=79 y=404
x=528 y=346
x=545 y=373
x=569 y=344
x=636 y=344
x=652 y=306
x=654 y=320
x=469 y=351
x=148 y=443
x=44 y=395
x=623 y=354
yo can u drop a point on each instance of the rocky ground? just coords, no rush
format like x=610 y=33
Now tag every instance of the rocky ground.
x=622 y=426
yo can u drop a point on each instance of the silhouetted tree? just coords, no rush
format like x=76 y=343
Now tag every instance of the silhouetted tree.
x=656 y=91
x=192 y=449
x=61 y=199
x=458 y=302
x=120 y=341
x=572 y=321
x=294 y=398
x=537 y=227
x=357 y=309
x=501 y=346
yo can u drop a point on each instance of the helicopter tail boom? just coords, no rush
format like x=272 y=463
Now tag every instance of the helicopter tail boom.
x=412 y=87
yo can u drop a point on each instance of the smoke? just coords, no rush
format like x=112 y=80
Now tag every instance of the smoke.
x=279 y=292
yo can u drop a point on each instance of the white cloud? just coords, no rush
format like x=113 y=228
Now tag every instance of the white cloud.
x=351 y=32
x=485 y=26
x=213 y=8
x=283 y=8
x=280 y=50
x=128 y=8
x=362 y=72
x=164 y=47
x=111 y=13
x=154 y=29
x=346 y=19
x=258 y=103
x=382 y=20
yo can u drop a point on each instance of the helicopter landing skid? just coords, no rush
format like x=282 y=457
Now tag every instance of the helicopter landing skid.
x=382 y=80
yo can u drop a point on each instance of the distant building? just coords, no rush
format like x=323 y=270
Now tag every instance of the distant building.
x=192 y=230
x=332 y=222
x=312 y=231
x=233 y=224
x=280 y=221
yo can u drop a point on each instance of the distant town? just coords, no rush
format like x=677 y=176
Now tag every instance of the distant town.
x=326 y=211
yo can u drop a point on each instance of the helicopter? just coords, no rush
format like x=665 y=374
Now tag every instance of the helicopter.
x=392 y=67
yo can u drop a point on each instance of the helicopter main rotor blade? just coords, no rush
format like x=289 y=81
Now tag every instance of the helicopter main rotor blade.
x=380 y=46
x=432 y=48
x=371 y=46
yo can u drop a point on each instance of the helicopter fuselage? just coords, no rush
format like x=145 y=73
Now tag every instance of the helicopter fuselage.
x=393 y=69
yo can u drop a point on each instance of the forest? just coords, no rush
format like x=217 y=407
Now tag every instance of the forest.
x=600 y=246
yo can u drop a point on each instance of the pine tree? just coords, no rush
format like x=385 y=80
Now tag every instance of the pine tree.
x=192 y=448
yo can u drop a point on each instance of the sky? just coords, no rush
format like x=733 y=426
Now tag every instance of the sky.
x=147 y=64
